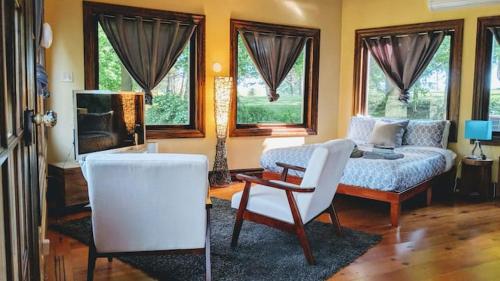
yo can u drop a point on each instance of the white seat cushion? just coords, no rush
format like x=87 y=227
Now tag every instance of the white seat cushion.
x=267 y=201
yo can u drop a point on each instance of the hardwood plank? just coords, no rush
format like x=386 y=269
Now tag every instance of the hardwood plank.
x=448 y=240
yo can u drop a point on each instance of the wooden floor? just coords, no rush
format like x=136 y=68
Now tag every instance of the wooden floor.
x=450 y=240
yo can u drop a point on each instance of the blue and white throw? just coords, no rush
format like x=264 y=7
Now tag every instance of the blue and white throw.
x=418 y=165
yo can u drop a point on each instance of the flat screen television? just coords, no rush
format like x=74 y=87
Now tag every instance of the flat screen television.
x=106 y=121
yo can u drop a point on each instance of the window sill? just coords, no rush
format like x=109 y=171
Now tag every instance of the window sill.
x=174 y=133
x=272 y=131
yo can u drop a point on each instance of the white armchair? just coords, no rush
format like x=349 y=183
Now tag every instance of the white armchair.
x=289 y=207
x=147 y=204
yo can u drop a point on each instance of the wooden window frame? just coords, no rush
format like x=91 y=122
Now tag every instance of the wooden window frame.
x=455 y=28
x=309 y=126
x=481 y=99
x=196 y=126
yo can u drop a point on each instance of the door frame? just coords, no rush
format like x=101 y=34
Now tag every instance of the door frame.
x=19 y=178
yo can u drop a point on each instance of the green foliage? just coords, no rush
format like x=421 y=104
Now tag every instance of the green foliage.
x=254 y=110
x=168 y=109
x=110 y=67
x=495 y=102
x=494 y=107
x=248 y=76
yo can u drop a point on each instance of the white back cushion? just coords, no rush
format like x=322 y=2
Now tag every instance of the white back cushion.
x=144 y=202
x=324 y=170
x=315 y=167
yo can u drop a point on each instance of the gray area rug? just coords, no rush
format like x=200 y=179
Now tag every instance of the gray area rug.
x=262 y=253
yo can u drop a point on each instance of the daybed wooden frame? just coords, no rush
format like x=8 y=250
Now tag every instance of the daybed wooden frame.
x=395 y=199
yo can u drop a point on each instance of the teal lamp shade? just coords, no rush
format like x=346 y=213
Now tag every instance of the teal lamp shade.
x=478 y=129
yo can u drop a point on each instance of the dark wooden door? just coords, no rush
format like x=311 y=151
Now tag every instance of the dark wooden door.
x=22 y=175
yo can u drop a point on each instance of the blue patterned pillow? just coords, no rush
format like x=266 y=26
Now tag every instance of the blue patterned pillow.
x=361 y=128
x=424 y=133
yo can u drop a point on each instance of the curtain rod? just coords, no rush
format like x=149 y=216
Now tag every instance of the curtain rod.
x=406 y=35
x=274 y=33
x=154 y=19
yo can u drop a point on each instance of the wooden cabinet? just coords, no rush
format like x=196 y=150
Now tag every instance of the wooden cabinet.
x=476 y=178
x=67 y=187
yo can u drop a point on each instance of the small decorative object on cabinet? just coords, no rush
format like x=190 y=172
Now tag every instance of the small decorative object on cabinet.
x=67 y=187
x=476 y=178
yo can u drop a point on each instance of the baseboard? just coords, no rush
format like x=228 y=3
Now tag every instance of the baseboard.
x=257 y=172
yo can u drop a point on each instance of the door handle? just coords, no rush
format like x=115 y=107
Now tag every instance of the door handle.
x=49 y=119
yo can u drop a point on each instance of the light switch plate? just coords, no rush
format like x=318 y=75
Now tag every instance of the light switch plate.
x=67 y=77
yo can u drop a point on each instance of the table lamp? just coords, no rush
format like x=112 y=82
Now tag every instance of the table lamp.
x=478 y=130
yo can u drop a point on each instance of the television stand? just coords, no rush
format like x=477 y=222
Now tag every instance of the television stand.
x=67 y=190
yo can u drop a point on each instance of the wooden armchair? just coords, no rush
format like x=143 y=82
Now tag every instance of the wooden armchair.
x=287 y=206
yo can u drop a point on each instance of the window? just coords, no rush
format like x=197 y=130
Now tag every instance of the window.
x=177 y=108
x=253 y=104
x=428 y=97
x=486 y=105
x=294 y=113
x=434 y=96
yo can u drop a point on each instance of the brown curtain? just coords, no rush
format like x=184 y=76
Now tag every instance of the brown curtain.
x=274 y=56
x=147 y=48
x=496 y=33
x=404 y=58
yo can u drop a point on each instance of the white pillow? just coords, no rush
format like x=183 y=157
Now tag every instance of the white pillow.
x=388 y=133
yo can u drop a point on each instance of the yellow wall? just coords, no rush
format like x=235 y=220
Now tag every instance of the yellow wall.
x=337 y=20
x=358 y=14
x=66 y=55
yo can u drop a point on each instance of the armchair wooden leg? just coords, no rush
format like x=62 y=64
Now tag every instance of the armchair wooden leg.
x=236 y=231
x=208 y=264
x=239 y=216
x=335 y=220
x=91 y=260
x=299 y=228
x=301 y=234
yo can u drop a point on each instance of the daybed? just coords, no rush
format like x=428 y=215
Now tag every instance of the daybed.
x=392 y=181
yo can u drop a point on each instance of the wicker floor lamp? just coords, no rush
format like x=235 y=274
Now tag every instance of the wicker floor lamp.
x=220 y=175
